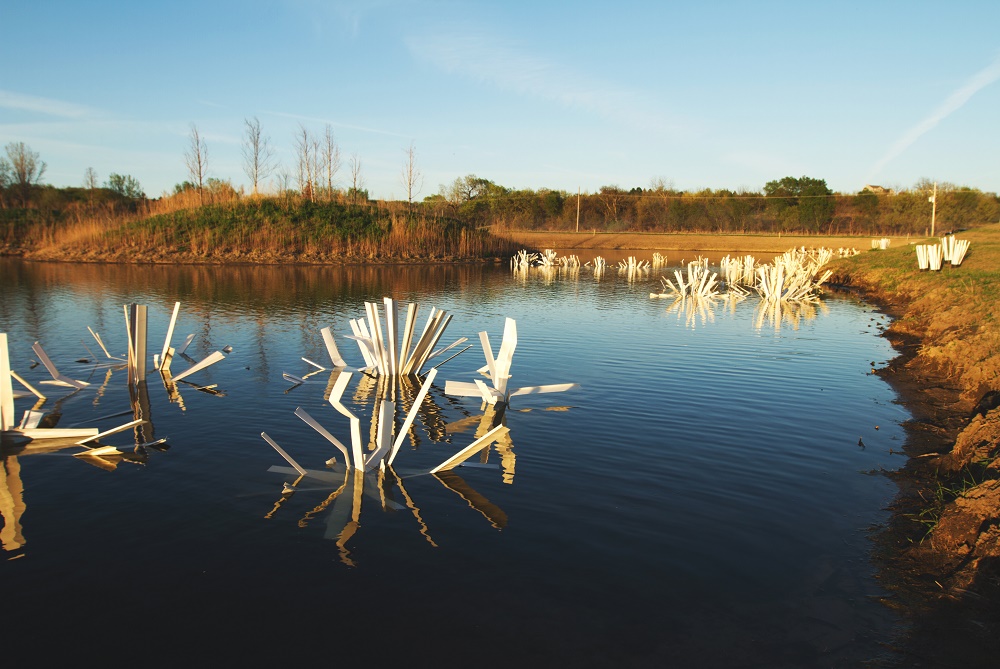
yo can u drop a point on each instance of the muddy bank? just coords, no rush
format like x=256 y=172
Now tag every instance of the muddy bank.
x=708 y=242
x=940 y=556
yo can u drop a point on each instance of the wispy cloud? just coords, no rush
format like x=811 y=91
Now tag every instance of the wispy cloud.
x=337 y=124
x=479 y=56
x=48 y=106
x=953 y=103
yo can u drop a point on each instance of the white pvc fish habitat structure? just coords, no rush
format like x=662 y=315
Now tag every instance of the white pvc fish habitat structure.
x=881 y=244
x=497 y=370
x=953 y=250
x=659 y=260
x=135 y=323
x=698 y=283
x=58 y=379
x=632 y=263
x=571 y=261
x=958 y=253
x=935 y=257
x=388 y=439
x=6 y=387
x=28 y=427
x=395 y=352
x=523 y=260
x=740 y=271
x=923 y=256
x=168 y=352
x=793 y=275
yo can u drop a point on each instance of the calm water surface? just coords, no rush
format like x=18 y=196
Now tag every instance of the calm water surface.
x=701 y=500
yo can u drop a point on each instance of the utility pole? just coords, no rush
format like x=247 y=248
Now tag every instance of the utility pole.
x=578 y=209
x=933 y=200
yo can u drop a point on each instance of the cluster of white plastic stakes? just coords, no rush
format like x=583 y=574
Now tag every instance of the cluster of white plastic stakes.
x=393 y=352
x=135 y=361
x=396 y=355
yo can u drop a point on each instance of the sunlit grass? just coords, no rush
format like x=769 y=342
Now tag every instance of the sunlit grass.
x=256 y=230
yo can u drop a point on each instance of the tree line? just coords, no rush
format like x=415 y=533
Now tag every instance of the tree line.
x=790 y=204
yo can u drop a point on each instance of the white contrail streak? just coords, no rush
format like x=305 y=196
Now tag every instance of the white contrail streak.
x=953 y=103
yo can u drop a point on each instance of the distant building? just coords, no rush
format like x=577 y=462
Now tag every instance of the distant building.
x=878 y=190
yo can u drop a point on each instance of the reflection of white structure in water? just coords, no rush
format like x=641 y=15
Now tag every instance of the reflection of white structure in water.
x=374 y=471
x=790 y=312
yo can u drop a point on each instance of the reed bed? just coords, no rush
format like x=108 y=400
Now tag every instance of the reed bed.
x=259 y=230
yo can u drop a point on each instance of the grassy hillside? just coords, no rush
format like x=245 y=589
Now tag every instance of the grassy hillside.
x=256 y=230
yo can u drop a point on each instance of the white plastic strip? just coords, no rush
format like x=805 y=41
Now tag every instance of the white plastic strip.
x=412 y=414
x=59 y=378
x=197 y=367
x=6 y=387
x=540 y=390
x=170 y=331
x=311 y=422
x=470 y=450
x=331 y=347
x=114 y=430
x=282 y=453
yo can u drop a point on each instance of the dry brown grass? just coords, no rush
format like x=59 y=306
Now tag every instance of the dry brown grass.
x=707 y=242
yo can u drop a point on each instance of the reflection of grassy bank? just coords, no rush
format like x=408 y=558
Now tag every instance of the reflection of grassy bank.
x=948 y=333
x=262 y=231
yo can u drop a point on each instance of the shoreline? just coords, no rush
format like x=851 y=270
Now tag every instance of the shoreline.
x=946 y=579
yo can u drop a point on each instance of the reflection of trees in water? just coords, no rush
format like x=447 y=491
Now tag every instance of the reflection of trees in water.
x=305 y=288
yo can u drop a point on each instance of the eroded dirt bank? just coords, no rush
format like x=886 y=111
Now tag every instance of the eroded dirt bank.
x=941 y=555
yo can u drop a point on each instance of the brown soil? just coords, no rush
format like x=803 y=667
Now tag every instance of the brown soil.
x=946 y=580
x=708 y=242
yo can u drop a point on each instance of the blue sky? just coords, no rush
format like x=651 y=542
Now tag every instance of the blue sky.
x=528 y=94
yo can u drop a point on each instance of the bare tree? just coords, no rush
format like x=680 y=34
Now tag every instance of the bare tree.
x=258 y=154
x=331 y=158
x=23 y=168
x=90 y=178
x=411 y=176
x=357 y=180
x=284 y=181
x=90 y=183
x=196 y=159
x=305 y=147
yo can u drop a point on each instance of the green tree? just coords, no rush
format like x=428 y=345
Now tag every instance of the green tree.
x=812 y=199
x=125 y=185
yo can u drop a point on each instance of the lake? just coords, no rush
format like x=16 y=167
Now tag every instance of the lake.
x=706 y=496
